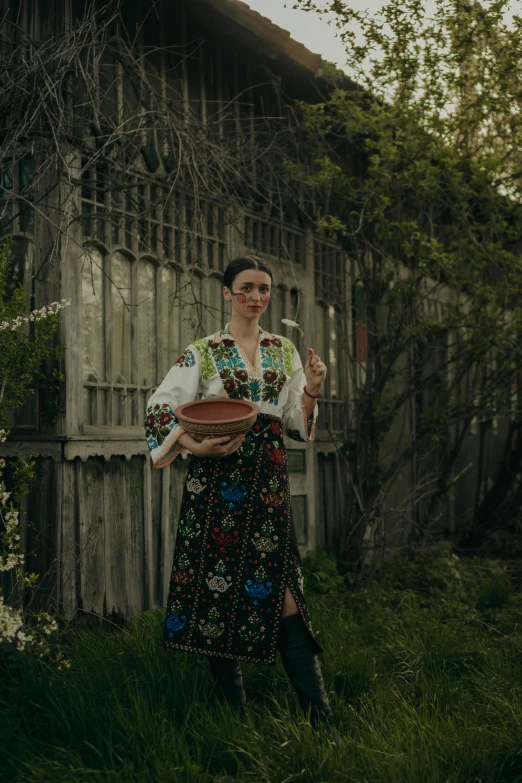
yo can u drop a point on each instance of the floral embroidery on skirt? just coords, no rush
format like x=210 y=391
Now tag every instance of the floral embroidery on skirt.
x=235 y=552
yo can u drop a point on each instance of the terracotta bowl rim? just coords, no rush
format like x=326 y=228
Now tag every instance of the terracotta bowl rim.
x=254 y=410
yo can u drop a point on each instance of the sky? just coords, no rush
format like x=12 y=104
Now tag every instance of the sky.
x=313 y=31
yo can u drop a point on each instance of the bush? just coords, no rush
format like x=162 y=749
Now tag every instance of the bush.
x=320 y=572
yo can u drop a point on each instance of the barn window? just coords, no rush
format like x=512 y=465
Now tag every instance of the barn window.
x=267 y=238
x=333 y=356
x=279 y=309
x=195 y=299
x=94 y=211
x=204 y=235
x=146 y=307
x=94 y=345
x=119 y=337
x=93 y=315
x=216 y=315
x=121 y=301
x=320 y=336
x=17 y=186
x=21 y=271
x=329 y=275
x=295 y=315
x=360 y=335
x=171 y=309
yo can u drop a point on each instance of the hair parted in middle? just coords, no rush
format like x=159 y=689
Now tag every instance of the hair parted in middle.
x=242 y=263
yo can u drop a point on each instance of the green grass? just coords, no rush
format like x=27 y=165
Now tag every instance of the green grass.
x=423 y=666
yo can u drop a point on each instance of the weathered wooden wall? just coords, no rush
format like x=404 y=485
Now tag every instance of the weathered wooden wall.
x=119 y=519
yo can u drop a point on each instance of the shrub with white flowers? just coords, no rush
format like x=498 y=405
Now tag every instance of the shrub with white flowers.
x=25 y=343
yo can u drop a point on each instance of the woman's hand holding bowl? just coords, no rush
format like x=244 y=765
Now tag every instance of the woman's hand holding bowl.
x=212 y=447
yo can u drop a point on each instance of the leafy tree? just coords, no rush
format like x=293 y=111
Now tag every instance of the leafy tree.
x=415 y=167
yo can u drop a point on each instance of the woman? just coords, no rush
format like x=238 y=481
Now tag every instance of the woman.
x=236 y=590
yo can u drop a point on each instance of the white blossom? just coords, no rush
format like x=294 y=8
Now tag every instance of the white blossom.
x=294 y=325
x=36 y=315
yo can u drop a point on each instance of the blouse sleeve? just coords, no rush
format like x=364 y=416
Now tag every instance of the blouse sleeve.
x=181 y=384
x=295 y=422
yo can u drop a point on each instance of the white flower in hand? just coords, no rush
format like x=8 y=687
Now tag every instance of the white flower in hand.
x=314 y=369
x=295 y=326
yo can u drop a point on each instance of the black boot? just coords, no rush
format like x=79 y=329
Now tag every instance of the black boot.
x=303 y=669
x=226 y=673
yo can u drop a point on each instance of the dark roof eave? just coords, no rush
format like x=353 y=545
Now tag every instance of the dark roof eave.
x=273 y=41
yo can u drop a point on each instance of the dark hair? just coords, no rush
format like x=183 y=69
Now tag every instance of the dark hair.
x=240 y=264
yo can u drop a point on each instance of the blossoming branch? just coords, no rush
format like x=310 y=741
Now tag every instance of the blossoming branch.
x=35 y=315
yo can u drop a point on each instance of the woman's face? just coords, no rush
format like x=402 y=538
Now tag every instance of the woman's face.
x=250 y=293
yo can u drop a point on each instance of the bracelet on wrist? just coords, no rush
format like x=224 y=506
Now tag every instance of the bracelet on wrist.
x=313 y=396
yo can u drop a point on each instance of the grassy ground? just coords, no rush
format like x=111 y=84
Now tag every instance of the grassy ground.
x=423 y=666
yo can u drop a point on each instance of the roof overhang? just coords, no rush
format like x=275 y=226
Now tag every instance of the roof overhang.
x=259 y=33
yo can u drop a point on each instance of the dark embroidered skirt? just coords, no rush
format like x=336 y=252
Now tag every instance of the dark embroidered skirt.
x=235 y=552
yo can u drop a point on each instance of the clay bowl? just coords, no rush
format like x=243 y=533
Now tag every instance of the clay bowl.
x=218 y=416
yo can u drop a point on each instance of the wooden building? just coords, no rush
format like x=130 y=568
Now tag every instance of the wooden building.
x=146 y=282
x=104 y=519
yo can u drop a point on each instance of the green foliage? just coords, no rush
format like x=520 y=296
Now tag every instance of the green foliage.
x=26 y=347
x=421 y=688
x=320 y=572
x=415 y=168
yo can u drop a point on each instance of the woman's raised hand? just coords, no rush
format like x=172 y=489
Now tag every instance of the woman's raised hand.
x=213 y=447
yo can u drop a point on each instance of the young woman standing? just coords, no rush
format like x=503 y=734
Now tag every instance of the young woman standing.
x=236 y=589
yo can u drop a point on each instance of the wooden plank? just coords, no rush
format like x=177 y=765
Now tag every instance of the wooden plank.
x=135 y=558
x=166 y=535
x=31 y=448
x=85 y=449
x=155 y=506
x=148 y=533
x=115 y=523
x=41 y=532
x=92 y=527
x=71 y=330
x=178 y=474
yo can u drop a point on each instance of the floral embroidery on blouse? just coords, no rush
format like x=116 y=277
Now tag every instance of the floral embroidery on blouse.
x=274 y=375
x=288 y=352
x=216 y=366
x=231 y=370
x=158 y=423
x=186 y=359
x=224 y=358
x=208 y=369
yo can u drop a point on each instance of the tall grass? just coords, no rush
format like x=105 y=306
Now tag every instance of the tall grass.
x=422 y=665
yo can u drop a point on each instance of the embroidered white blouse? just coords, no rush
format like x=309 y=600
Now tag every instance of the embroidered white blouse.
x=217 y=366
